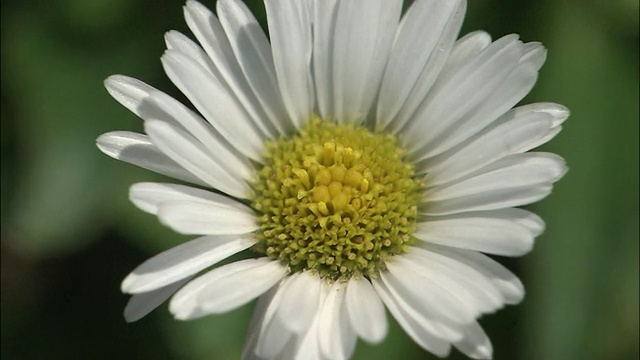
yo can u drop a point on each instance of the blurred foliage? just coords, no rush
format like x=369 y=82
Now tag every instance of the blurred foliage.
x=69 y=234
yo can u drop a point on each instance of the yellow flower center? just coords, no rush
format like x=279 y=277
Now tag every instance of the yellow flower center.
x=335 y=199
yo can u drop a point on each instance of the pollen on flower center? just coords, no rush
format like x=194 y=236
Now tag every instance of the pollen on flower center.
x=335 y=199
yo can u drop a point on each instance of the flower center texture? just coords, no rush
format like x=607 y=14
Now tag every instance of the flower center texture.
x=335 y=199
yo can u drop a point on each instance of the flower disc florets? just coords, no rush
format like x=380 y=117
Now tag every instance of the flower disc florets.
x=335 y=199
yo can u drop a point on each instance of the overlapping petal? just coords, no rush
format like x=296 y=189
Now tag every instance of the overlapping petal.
x=365 y=310
x=420 y=327
x=336 y=337
x=142 y=304
x=363 y=34
x=292 y=44
x=423 y=42
x=226 y=288
x=457 y=93
x=201 y=218
x=515 y=180
x=212 y=37
x=508 y=232
x=253 y=52
x=184 y=149
x=183 y=261
x=137 y=149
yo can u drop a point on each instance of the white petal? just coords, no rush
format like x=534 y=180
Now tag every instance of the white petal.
x=180 y=42
x=513 y=89
x=226 y=288
x=214 y=102
x=138 y=150
x=417 y=327
x=324 y=22
x=535 y=54
x=558 y=113
x=513 y=134
x=212 y=218
x=184 y=149
x=364 y=32
x=503 y=198
x=478 y=292
x=504 y=280
x=265 y=305
x=454 y=96
x=477 y=47
x=207 y=29
x=149 y=103
x=499 y=232
x=465 y=49
x=232 y=288
x=274 y=335
x=291 y=42
x=423 y=42
x=301 y=301
x=183 y=261
x=336 y=338
x=308 y=346
x=253 y=52
x=506 y=95
x=425 y=293
x=129 y=92
x=519 y=130
x=475 y=343
x=366 y=310
x=142 y=304
x=163 y=107
x=513 y=181
x=525 y=218
x=149 y=196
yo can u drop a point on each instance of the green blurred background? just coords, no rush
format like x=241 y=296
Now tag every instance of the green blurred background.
x=69 y=233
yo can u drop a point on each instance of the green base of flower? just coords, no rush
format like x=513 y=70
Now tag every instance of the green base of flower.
x=335 y=199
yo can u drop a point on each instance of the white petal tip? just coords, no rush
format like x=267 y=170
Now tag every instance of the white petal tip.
x=180 y=313
x=377 y=338
x=482 y=352
x=181 y=316
x=113 y=80
x=132 y=285
x=132 y=313
x=129 y=318
x=108 y=144
x=102 y=144
x=128 y=285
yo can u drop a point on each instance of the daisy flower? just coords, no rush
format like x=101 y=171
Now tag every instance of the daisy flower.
x=367 y=159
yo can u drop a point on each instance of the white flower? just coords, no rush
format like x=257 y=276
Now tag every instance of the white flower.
x=367 y=159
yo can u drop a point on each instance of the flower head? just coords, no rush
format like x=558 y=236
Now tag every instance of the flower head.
x=365 y=158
